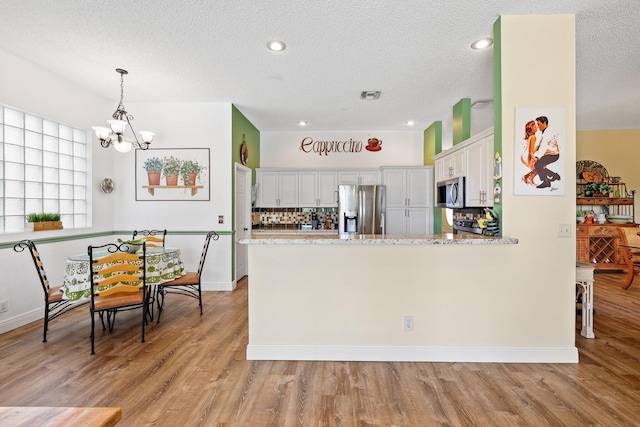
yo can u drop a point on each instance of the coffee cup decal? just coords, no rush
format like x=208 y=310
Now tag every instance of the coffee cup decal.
x=374 y=144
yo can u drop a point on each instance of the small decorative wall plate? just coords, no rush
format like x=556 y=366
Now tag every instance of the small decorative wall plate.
x=107 y=185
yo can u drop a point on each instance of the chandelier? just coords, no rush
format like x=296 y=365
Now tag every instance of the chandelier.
x=122 y=119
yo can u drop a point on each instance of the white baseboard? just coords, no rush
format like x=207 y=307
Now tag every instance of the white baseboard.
x=218 y=286
x=415 y=354
x=22 y=319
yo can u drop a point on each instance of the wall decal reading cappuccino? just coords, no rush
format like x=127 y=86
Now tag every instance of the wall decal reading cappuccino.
x=308 y=145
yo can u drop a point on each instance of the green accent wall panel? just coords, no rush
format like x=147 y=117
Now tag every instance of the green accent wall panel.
x=433 y=145
x=461 y=120
x=245 y=141
x=497 y=105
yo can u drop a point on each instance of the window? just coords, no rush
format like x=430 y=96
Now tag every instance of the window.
x=43 y=168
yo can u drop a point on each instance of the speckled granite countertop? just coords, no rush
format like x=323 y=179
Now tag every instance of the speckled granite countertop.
x=370 y=239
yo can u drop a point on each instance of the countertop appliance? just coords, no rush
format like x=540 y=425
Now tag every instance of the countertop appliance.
x=450 y=193
x=361 y=209
x=466 y=226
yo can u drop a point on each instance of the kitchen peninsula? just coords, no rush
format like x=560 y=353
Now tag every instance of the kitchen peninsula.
x=380 y=298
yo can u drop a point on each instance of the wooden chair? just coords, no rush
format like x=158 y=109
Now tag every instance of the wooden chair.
x=631 y=256
x=54 y=304
x=188 y=284
x=154 y=238
x=117 y=283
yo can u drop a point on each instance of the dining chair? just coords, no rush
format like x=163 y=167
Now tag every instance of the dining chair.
x=154 y=238
x=118 y=283
x=54 y=303
x=188 y=284
x=631 y=255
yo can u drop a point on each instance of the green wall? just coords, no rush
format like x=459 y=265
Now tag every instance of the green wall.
x=462 y=120
x=497 y=111
x=242 y=127
x=433 y=145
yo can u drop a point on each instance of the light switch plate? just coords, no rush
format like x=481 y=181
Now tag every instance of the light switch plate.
x=564 y=230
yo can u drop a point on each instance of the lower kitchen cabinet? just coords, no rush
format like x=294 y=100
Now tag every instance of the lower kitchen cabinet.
x=409 y=221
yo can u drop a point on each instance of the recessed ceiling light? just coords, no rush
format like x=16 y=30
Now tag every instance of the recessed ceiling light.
x=276 y=45
x=302 y=123
x=482 y=43
x=409 y=123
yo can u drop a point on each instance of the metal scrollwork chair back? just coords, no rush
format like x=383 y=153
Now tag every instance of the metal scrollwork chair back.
x=154 y=238
x=190 y=283
x=54 y=302
x=118 y=283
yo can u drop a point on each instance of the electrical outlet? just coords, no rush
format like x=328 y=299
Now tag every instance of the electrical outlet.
x=220 y=219
x=4 y=306
x=408 y=323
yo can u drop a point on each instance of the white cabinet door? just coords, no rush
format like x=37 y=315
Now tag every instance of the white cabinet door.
x=394 y=221
x=458 y=164
x=396 y=182
x=419 y=187
x=406 y=221
x=359 y=177
x=327 y=189
x=348 y=177
x=277 y=189
x=418 y=221
x=479 y=178
x=370 y=177
x=308 y=189
x=318 y=189
x=267 y=189
x=409 y=198
x=288 y=188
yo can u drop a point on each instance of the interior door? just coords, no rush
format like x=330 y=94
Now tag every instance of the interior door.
x=243 y=218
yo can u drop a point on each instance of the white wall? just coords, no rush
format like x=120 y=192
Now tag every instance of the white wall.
x=33 y=89
x=543 y=264
x=282 y=150
x=185 y=125
x=28 y=87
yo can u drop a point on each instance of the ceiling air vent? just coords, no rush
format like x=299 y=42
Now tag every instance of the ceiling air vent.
x=370 y=95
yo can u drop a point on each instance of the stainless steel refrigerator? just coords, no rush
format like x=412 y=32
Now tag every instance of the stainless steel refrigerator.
x=361 y=209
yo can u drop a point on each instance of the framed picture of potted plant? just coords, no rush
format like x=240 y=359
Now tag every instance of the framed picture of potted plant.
x=179 y=174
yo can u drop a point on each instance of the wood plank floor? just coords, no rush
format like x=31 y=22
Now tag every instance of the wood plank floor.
x=192 y=371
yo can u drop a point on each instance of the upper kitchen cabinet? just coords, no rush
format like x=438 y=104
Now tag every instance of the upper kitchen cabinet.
x=452 y=165
x=318 y=189
x=479 y=176
x=359 y=177
x=472 y=159
x=277 y=189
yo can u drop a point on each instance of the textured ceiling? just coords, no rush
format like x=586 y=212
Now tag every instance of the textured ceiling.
x=415 y=51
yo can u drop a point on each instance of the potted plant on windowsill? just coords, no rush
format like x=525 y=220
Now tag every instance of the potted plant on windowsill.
x=44 y=221
x=153 y=166
x=171 y=170
x=190 y=171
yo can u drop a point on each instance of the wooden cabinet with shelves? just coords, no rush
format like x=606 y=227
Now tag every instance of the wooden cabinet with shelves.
x=599 y=244
x=617 y=202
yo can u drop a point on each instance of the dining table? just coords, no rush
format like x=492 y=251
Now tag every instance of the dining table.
x=162 y=265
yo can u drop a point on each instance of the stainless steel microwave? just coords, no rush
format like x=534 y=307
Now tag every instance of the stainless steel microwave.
x=450 y=193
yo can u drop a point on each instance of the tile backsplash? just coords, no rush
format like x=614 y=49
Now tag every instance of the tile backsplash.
x=293 y=218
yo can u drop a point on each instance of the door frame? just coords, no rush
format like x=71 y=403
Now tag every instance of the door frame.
x=241 y=170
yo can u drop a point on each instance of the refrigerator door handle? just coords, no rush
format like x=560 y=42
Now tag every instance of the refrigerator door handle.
x=361 y=211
